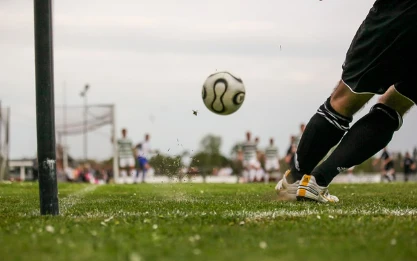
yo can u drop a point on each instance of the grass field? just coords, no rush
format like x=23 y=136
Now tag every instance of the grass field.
x=208 y=222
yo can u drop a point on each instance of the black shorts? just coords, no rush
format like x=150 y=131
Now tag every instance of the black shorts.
x=389 y=166
x=384 y=50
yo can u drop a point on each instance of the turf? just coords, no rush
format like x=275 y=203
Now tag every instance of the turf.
x=208 y=222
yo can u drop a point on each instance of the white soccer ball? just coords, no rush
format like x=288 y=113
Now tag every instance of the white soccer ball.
x=223 y=93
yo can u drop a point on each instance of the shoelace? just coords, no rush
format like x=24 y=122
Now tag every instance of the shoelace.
x=327 y=194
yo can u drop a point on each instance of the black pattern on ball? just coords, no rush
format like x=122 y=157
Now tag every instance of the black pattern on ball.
x=239 y=98
x=234 y=77
x=221 y=96
x=204 y=92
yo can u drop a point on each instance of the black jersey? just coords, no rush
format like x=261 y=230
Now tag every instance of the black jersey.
x=408 y=162
x=390 y=164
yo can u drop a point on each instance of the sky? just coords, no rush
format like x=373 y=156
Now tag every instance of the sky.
x=150 y=59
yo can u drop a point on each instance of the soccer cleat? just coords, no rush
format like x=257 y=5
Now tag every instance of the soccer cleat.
x=310 y=190
x=286 y=191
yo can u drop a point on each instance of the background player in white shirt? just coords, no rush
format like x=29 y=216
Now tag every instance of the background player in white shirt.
x=250 y=160
x=271 y=159
x=126 y=156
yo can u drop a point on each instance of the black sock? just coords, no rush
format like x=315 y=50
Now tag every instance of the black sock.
x=366 y=137
x=323 y=131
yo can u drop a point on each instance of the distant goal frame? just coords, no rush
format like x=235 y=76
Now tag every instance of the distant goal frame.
x=65 y=128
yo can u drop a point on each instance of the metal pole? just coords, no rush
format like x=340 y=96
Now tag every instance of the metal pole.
x=2 y=157
x=7 y=140
x=64 y=141
x=84 y=95
x=45 y=111
x=59 y=138
x=65 y=159
x=115 y=149
x=5 y=161
x=64 y=116
x=85 y=126
x=0 y=129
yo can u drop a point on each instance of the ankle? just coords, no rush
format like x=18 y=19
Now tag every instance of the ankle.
x=320 y=179
x=294 y=176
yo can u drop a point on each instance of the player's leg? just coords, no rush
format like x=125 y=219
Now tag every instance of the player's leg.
x=383 y=175
x=325 y=129
x=257 y=175
x=381 y=54
x=131 y=174
x=252 y=174
x=252 y=170
x=267 y=175
x=367 y=136
x=274 y=168
x=406 y=176
x=245 y=171
x=245 y=175
x=392 y=173
x=144 y=166
x=260 y=173
x=123 y=175
x=387 y=174
x=138 y=169
x=123 y=170
x=268 y=170
x=131 y=168
x=136 y=175
x=144 y=171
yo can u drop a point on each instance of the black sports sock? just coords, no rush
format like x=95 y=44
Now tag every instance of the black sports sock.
x=366 y=137
x=323 y=131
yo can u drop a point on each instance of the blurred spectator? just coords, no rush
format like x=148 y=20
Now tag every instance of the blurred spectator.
x=408 y=166
x=225 y=171
x=350 y=174
x=272 y=160
x=290 y=152
x=387 y=166
x=126 y=155
x=297 y=137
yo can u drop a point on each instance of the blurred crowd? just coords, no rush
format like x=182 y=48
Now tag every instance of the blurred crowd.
x=94 y=174
x=249 y=163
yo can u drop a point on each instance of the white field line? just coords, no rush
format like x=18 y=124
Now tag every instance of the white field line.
x=329 y=212
x=73 y=199
x=68 y=202
x=258 y=215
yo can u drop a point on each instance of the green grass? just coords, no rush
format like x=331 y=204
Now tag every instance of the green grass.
x=208 y=222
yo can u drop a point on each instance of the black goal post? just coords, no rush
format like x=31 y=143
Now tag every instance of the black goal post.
x=45 y=108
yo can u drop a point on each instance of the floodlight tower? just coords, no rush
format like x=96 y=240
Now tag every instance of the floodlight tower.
x=84 y=95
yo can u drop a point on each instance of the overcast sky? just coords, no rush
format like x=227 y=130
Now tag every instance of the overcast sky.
x=150 y=59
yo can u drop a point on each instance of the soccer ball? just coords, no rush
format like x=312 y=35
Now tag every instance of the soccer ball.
x=223 y=93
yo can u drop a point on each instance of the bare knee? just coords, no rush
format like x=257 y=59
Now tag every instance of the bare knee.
x=396 y=101
x=347 y=103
